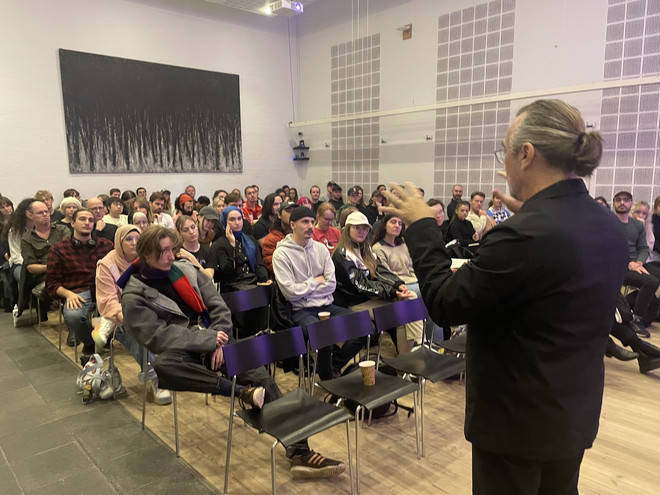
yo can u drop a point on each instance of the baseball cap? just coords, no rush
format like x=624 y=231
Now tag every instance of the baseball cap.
x=357 y=218
x=353 y=190
x=287 y=204
x=209 y=213
x=337 y=187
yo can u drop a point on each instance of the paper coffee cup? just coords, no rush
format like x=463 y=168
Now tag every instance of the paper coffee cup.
x=368 y=369
x=324 y=315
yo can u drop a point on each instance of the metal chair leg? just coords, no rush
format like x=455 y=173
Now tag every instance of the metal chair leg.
x=229 y=434
x=176 y=424
x=38 y=314
x=350 y=462
x=145 y=363
x=358 y=412
x=272 y=466
x=422 y=391
x=59 y=329
x=111 y=368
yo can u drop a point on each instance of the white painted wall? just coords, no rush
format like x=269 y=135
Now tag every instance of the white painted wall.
x=557 y=44
x=32 y=133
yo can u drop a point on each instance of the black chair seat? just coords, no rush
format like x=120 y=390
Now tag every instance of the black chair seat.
x=457 y=344
x=386 y=389
x=427 y=363
x=295 y=417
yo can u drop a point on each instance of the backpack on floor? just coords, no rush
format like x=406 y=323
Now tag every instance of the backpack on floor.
x=95 y=381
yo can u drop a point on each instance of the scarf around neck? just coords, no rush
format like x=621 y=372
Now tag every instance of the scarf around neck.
x=180 y=282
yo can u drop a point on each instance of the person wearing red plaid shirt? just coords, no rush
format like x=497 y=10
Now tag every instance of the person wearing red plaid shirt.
x=70 y=275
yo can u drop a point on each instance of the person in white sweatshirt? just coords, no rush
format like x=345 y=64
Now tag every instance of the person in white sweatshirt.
x=305 y=275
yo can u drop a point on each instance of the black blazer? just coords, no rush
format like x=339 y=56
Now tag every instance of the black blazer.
x=539 y=301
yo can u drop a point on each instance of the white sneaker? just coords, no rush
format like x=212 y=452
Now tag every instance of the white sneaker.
x=103 y=331
x=160 y=396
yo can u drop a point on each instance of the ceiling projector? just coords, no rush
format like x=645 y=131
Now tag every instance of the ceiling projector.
x=286 y=8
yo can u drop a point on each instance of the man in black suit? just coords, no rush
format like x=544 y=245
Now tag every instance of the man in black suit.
x=539 y=301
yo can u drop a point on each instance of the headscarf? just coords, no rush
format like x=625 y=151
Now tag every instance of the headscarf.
x=248 y=245
x=120 y=235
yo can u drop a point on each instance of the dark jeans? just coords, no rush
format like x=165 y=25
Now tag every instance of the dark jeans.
x=647 y=285
x=331 y=359
x=496 y=474
x=188 y=371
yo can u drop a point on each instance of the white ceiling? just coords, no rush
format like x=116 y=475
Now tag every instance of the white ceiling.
x=213 y=9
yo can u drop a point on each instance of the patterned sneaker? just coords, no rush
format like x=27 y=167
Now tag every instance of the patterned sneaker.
x=315 y=466
x=252 y=397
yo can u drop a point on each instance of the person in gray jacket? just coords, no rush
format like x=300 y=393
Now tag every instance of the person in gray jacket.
x=305 y=274
x=174 y=310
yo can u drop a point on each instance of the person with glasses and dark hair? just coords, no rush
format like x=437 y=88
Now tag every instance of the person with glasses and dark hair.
x=101 y=228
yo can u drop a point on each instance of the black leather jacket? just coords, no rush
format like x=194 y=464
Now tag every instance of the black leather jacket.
x=354 y=285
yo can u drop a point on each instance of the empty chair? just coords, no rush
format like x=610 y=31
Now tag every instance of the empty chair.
x=294 y=416
x=423 y=362
x=247 y=300
x=350 y=386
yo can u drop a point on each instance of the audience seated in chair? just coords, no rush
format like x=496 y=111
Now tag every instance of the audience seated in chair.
x=70 y=275
x=187 y=325
x=108 y=300
x=68 y=207
x=35 y=247
x=324 y=232
x=115 y=216
x=640 y=274
x=364 y=283
x=19 y=223
x=157 y=208
x=101 y=229
x=477 y=216
x=192 y=250
x=305 y=274
x=460 y=228
x=392 y=252
x=269 y=215
x=277 y=232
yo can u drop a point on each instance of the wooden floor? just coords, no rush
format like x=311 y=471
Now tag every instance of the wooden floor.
x=625 y=458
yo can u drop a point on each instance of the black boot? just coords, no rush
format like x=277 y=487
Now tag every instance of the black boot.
x=613 y=350
x=645 y=348
x=647 y=363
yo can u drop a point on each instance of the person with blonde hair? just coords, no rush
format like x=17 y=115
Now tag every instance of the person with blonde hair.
x=641 y=210
x=364 y=283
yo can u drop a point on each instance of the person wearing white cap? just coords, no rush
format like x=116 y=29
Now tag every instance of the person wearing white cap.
x=364 y=283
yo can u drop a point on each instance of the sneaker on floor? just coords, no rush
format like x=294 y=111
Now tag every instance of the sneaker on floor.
x=103 y=331
x=640 y=328
x=160 y=396
x=314 y=466
x=252 y=397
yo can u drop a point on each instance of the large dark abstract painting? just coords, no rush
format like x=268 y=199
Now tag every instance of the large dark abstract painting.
x=127 y=116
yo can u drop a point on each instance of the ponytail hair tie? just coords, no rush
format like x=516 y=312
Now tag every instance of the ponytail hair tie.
x=580 y=138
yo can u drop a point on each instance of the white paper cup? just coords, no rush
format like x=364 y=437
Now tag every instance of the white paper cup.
x=324 y=315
